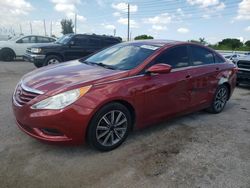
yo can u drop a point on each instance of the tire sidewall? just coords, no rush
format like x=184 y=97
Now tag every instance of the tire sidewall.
x=38 y=65
x=51 y=57
x=91 y=134
x=7 y=55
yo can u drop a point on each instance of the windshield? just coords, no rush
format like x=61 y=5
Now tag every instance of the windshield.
x=122 y=56
x=64 y=39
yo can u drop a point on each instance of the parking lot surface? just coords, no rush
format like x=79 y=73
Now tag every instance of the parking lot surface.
x=196 y=150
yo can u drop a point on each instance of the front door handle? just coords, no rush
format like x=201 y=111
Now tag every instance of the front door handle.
x=217 y=68
x=188 y=76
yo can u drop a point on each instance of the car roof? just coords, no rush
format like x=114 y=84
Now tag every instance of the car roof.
x=36 y=36
x=158 y=42
x=95 y=35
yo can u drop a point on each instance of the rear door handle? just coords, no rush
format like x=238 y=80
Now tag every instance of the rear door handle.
x=217 y=68
x=188 y=76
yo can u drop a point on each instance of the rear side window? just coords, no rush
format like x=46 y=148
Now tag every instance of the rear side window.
x=218 y=59
x=109 y=42
x=30 y=39
x=176 y=57
x=201 y=56
x=43 y=40
x=52 y=40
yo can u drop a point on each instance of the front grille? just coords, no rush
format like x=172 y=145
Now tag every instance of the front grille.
x=244 y=64
x=22 y=96
x=28 y=50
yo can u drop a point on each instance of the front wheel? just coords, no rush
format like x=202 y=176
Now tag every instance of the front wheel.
x=7 y=55
x=220 y=99
x=52 y=59
x=109 y=127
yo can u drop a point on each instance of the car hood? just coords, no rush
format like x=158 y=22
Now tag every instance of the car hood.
x=70 y=75
x=4 y=43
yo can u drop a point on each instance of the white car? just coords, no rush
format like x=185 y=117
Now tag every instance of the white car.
x=16 y=47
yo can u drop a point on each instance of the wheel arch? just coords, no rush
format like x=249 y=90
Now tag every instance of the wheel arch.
x=225 y=81
x=55 y=54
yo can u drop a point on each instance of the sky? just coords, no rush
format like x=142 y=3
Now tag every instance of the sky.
x=182 y=20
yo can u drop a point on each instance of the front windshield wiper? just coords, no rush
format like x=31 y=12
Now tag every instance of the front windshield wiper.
x=99 y=64
x=105 y=66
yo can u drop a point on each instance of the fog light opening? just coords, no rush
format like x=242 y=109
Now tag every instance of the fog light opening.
x=51 y=132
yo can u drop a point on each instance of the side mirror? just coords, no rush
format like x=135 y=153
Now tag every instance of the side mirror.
x=72 y=43
x=159 y=68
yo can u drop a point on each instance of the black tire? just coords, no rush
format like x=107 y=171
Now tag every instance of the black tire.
x=38 y=64
x=7 y=55
x=119 y=132
x=52 y=58
x=220 y=99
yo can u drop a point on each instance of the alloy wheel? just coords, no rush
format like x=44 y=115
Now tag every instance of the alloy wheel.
x=111 y=128
x=53 y=61
x=220 y=99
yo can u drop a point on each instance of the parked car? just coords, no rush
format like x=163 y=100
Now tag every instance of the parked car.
x=16 y=47
x=128 y=86
x=4 y=37
x=232 y=57
x=243 y=74
x=69 y=47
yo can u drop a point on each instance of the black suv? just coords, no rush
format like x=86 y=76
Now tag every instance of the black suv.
x=68 y=47
x=243 y=75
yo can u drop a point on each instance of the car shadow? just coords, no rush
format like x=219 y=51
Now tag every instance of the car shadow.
x=244 y=86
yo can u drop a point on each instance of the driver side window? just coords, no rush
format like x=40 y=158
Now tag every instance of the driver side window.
x=177 y=57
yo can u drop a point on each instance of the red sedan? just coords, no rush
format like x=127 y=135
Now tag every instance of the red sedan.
x=100 y=99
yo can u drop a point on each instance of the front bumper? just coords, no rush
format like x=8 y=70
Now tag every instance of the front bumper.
x=243 y=76
x=34 y=57
x=66 y=126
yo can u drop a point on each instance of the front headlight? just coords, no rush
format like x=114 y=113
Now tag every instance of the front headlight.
x=61 y=100
x=35 y=50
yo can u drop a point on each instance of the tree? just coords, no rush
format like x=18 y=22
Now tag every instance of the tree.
x=200 y=41
x=247 y=43
x=203 y=41
x=231 y=43
x=143 y=37
x=67 y=26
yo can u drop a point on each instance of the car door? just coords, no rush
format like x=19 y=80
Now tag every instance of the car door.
x=203 y=75
x=24 y=43
x=168 y=94
x=77 y=48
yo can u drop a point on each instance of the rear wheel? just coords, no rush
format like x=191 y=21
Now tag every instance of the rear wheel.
x=220 y=100
x=109 y=127
x=7 y=55
x=51 y=60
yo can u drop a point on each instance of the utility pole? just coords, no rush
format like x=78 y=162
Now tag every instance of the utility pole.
x=75 y=22
x=114 y=32
x=44 y=25
x=21 y=31
x=51 y=28
x=128 y=20
x=31 y=28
